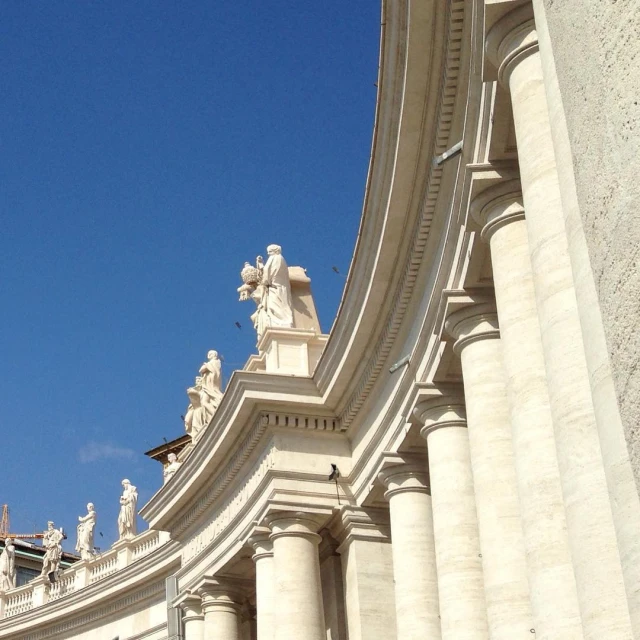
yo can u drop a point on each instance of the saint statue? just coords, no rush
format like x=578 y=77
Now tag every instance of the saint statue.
x=211 y=372
x=86 y=525
x=275 y=277
x=171 y=468
x=268 y=285
x=127 y=515
x=204 y=396
x=8 y=566
x=51 y=541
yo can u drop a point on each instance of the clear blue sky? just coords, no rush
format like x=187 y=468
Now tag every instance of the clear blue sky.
x=148 y=149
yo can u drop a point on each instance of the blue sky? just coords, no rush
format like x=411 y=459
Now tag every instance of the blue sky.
x=147 y=149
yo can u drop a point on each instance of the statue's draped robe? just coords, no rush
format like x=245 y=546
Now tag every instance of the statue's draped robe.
x=212 y=379
x=127 y=517
x=85 y=533
x=278 y=292
x=7 y=569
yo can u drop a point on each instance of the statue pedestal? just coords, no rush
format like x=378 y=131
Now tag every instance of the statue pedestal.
x=288 y=351
x=124 y=549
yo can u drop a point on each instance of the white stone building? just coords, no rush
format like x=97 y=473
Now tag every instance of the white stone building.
x=478 y=393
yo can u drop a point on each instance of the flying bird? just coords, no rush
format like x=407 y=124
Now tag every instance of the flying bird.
x=335 y=269
x=238 y=325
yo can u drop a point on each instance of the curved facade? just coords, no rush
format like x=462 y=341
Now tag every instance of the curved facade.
x=465 y=395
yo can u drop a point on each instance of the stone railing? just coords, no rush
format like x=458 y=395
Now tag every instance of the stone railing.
x=66 y=583
x=79 y=575
x=145 y=546
x=104 y=565
x=17 y=600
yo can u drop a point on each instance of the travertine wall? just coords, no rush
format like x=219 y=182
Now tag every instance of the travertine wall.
x=596 y=48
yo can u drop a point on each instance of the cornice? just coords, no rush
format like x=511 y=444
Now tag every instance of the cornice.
x=179 y=521
x=245 y=393
x=437 y=140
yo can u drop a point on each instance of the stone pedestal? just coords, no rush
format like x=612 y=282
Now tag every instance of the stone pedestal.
x=299 y=609
x=455 y=524
x=288 y=351
x=414 y=556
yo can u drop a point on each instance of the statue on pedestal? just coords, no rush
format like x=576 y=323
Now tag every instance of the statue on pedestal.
x=268 y=285
x=86 y=525
x=170 y=470
x=51 y=541
x=127 y=515
x=8 y=566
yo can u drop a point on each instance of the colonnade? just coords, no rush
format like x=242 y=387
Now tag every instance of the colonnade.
x=511 y=530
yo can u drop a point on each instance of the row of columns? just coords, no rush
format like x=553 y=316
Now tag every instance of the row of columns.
x=287 y=569
x=512 y=529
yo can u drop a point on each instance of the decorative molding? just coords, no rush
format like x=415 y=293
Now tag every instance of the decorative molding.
x=227 y=512
x=421 y=233
x=264 y=420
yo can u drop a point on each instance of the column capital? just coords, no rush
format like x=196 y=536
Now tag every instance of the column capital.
x=409 y=477
x=510 y=40
x=497 y=206
x=355 y=523
x=191 y=605
x=439 y=413
x=472 y=323
x=293 y=523
x=261 y=543
x=220 y=594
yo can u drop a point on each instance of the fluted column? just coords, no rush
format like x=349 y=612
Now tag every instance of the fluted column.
x=554 y=598
x=455 y=524
x=513 y=48
x=192 y=618
x=221 y=606
x=506 y=589
x=262 y=546
x=299 y=608
x=414 y=556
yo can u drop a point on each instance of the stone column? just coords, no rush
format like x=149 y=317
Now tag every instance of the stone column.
x=513 y=48
x=414 y=556
x=367 y=569
x=221 y=606
x=265 y=584
x=299 y=609
x=192 y=618
x=554 y=598
x=506 y=589
x=455 y=524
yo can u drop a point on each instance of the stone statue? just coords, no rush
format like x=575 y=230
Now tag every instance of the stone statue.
x=8 y=566
x=171 y=468
x=195 y=419
x=205 y=396
x=268 y=285
x=86 y=525
x=275 y=277
x=211 y=372
x=51 y=541
x=128 y=512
